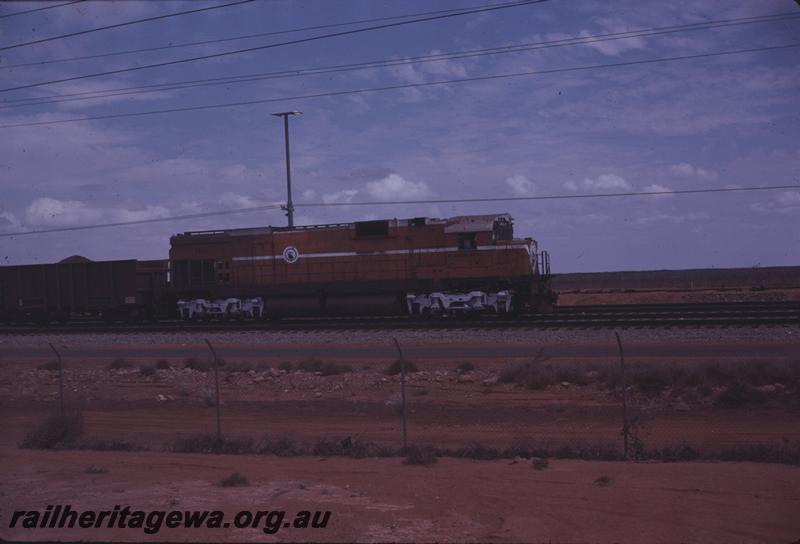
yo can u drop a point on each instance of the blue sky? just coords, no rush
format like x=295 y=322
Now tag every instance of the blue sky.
x=726 y=121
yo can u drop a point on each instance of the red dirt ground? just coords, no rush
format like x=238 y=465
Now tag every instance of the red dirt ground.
x=384 y=500
x=673 y=296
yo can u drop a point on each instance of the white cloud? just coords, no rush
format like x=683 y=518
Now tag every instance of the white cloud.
x=789 y=198
x=603 y=182
x=49 y=212
x=687 y=170
x=656 y=188
x=9 y=221
x=395 y=187
x=233 y=200
x=343 y=196
x=613 y=47
x=190 y=207
x=309 y=194
x=149 y=212
x=786 y=202
x=418 y=73
x=521 y=186
x=675 y=219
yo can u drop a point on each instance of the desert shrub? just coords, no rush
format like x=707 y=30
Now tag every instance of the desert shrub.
x=241 y=366
x=347 y=447
x=119 y=363
x=94 y=469
x=477 y=451
x=310 y=365
x=739 y=394
x=326 y=369
x=162 y=364
x=282 y=447
x=608 y=375
x=706 y=376
x=603 y=481
x=533 y=375
x=201 y=365
x=420 y=455
x=465 y=367
x=208 y=443
x=286 y=366
x=55 y=432
x=761 y=453
x=147 y=370
x=760 y=373
x=98 y=444
x=540 y=463
x=49 y=365
x=395 y=368
x=331 y=369
x=572 y=373
x=673 y=454
x=597 y=452
x=650 y=379
x=234 y=480
x=328 y=447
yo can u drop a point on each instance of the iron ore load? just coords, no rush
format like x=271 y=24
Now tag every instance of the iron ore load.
x=420 y=267
x=417 y=266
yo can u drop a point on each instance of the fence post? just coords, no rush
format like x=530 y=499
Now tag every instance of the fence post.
x=625 y=426
x=216 y=381
x=60 y=380
x=402 y=392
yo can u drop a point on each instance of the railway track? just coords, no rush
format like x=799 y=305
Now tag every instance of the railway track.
x=595 y=316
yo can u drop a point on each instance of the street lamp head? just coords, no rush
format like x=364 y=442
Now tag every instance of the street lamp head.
x=282 y=113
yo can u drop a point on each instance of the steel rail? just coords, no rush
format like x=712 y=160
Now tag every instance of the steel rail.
x=593 y=316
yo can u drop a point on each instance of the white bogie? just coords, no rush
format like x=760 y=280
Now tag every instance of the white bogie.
x=439 y=303
x=225 y=308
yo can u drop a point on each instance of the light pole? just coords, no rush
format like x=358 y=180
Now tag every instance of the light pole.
x=289 y=207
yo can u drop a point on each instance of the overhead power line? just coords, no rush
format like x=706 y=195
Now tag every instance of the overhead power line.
x=403 y=86
x=40 y=9
x=126 y=23
x=244 y=37
x=546 y=197
x=280 y=44
x=471 y=53
x=401 y=203
x=143 y=221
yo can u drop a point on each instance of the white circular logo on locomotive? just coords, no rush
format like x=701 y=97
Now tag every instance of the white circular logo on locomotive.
x=290 y=254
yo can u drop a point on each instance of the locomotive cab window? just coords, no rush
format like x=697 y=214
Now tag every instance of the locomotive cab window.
x=467 y=241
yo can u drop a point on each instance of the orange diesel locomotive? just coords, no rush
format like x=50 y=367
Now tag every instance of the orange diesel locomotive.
x=418 y=266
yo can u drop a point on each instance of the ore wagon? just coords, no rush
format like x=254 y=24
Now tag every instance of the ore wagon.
x=78 y=286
